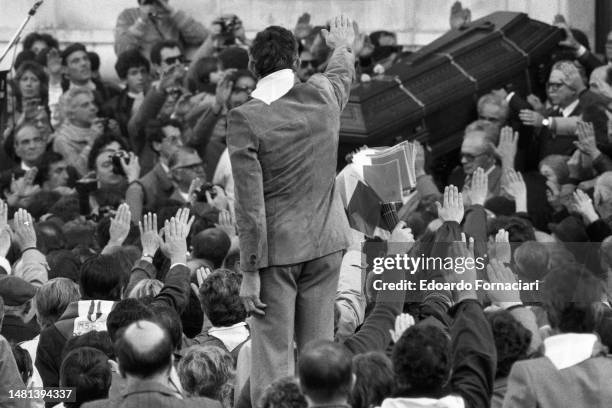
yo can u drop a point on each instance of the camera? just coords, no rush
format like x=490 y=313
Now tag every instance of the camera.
x=116 y=158
x=201 y=192
x=228 y=23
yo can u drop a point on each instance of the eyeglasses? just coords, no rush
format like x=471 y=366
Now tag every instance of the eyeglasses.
x=244 y=89
x=173 y=60
x=555 y=86
x=489 y=118
x=471 y=157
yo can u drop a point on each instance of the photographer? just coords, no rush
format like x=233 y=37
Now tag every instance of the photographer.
x=154 y=20
x=112 y=168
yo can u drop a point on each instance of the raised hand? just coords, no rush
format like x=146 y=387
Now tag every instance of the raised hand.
x=584 y=205
x=503 y=251
x=120 y=226
x=587 y=143
x=149 y=238
x=515 y=187
x=498 y=273
x=403 y=322
x=341 y=32
x=535 y=103
x=23 y=227
x=507 y=146
x=226 y=223
x=419 y=162
x=176 y=230
x=5 y=231
x=479 y=187
x=223 y=92
x=451 y=208
x=131 y=167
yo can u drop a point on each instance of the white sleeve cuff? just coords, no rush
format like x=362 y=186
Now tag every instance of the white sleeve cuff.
x=509 y=96
x=4 y=263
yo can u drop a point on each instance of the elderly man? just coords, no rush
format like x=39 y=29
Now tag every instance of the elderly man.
x=478 y=150
x=154 y=20
x=29 y=146
x=568 y=97
x=144 y=352
x=75 y=138
x=283 y=145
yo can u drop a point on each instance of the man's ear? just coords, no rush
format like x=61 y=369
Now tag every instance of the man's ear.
x=252 y=68
x=156 y=146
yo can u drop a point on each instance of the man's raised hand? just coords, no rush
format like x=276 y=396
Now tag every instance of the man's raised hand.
x=451 y=208
x=174 y=245
x=149 y=237
x=341 y=32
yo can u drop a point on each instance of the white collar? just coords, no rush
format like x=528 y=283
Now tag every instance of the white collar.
x=25 y=166
x=184 y=196
x=274 y=86
x=567 y=111
x=164 y=167
x=568 y=349
x=231 y=336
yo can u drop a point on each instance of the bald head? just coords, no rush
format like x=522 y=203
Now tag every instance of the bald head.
x=144 y=349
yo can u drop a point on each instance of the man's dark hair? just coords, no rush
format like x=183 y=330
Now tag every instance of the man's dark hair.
x=512 y=340
x=234 y=58
x=49 y=236
x=86 y=369
x=283 y=393
x=130 y=59
x=24 y=362
x=421 y=360
x=273 y=49
x=72 y=48
x=325 y=371
x=100 y=340
x=220 y=296
x=374 y=380
x=572 y=298
x=159 y=46
x=169 y=319
x=100 y=144
x=31 y=38
x=211 y=244
x=125 y=313
x=46 y=161
x=143 y=363
x=101 y=278
x=63 y=264
x=519 y=229
x=41 y=202
x=154 y=129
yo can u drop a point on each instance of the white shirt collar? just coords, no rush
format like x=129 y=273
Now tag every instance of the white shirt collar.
x=274 y=86
x=184 y=196
x=568 y=349
x=24 y=166
x=567 y=111
x=164 y=167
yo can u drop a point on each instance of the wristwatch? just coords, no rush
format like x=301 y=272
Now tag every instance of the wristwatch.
x=546 y=122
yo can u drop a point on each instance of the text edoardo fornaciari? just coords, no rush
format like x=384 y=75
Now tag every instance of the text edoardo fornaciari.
x=458 y=265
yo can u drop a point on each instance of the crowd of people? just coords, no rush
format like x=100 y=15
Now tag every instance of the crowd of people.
x=176 y=241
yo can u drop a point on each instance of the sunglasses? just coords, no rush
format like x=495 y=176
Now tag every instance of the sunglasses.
x=173 y=60
x=244 y=89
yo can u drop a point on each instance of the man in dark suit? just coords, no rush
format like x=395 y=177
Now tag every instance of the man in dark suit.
x=144 y=351
x=283 y=147
x=568 y=97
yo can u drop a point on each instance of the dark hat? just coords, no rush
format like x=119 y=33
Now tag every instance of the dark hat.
x=72 y=48
x=570 y=229
x=15 y=291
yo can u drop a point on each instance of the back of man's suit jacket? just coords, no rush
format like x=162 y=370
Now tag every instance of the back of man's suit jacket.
x=283 y=159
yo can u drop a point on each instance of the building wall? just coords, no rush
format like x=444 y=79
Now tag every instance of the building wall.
x=417 y=22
